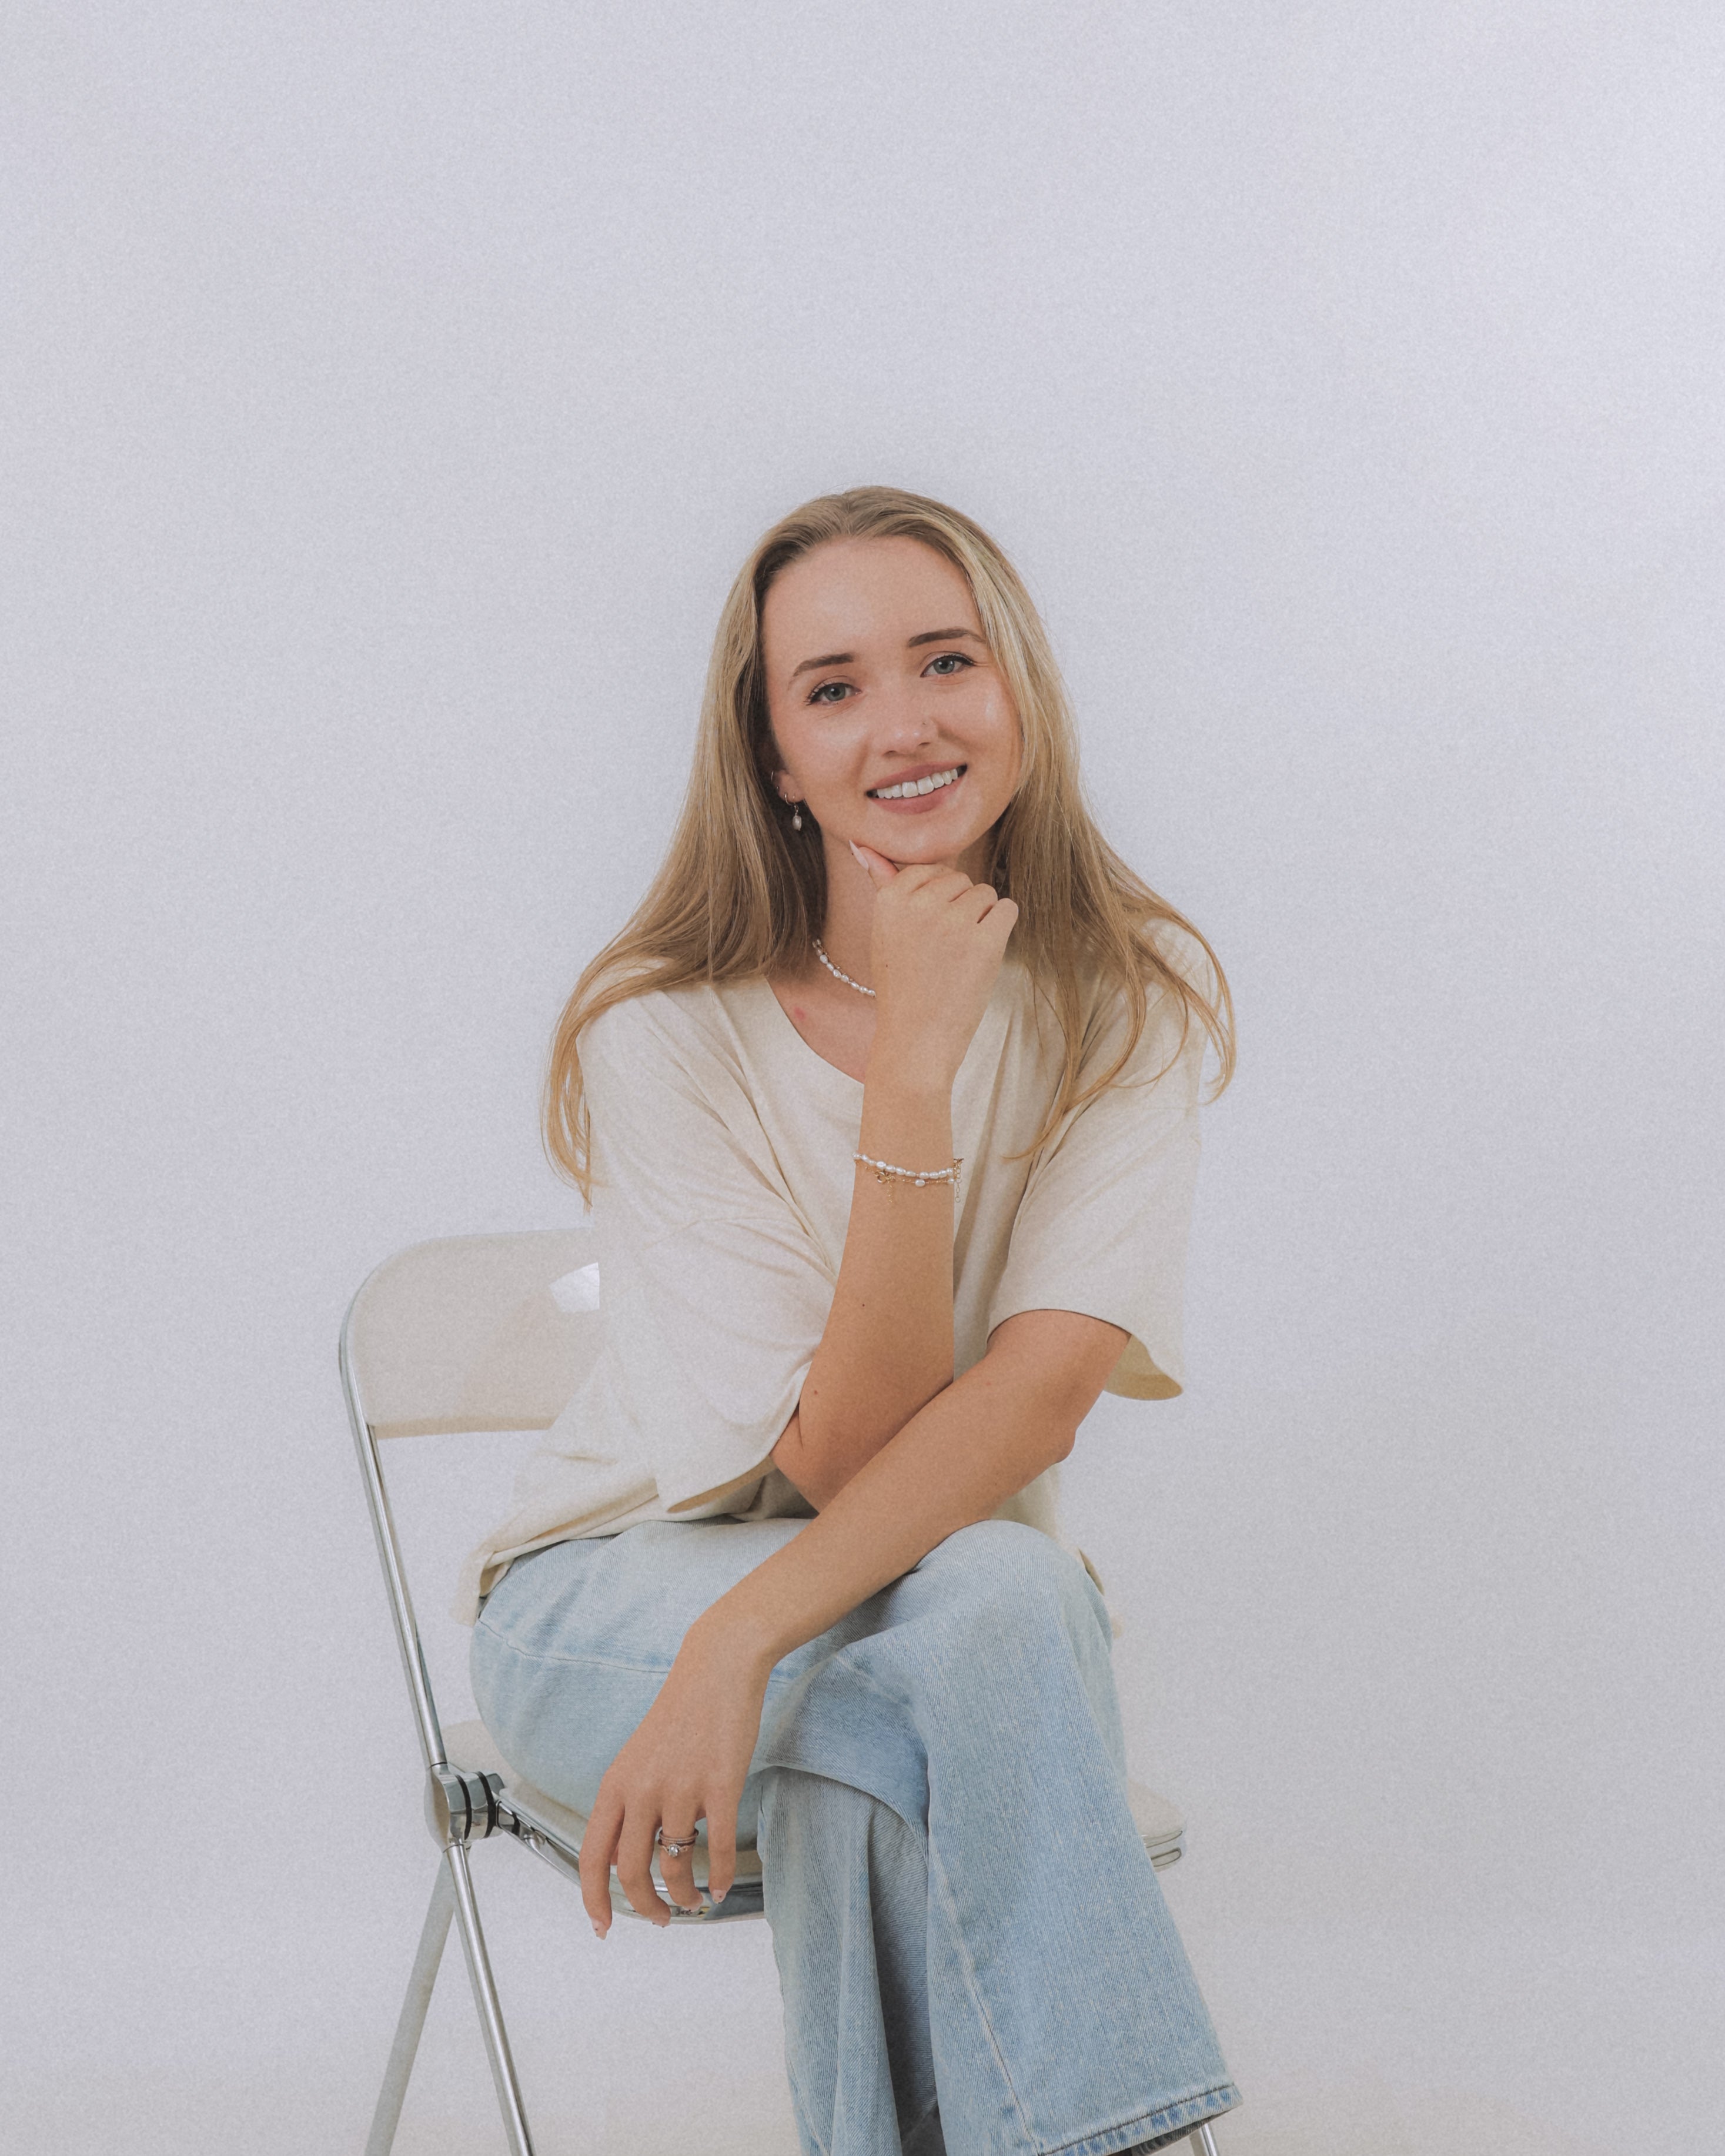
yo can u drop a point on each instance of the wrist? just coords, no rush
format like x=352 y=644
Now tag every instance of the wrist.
x=736 y=1638
x=906 y=1076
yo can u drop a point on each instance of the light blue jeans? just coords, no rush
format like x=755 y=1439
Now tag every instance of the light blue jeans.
x=974 y=1950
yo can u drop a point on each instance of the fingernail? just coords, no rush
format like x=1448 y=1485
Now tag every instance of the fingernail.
x=857 y=852
x=598 y=1930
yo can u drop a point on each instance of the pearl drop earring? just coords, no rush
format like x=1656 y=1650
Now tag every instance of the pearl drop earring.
x=796 y=815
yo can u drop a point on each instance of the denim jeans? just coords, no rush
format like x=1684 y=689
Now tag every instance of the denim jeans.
x=974 y=1950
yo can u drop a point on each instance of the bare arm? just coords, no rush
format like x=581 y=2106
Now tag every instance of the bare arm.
x=887 y=1351
x=982 y=1439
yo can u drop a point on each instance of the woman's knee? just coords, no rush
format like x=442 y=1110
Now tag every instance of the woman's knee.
x=1015 y=1623
x=1004 y=1573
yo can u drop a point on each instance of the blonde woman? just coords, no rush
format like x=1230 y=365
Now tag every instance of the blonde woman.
x=885 y=1103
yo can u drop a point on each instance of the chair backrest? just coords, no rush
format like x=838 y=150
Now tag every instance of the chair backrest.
x=474 y=1332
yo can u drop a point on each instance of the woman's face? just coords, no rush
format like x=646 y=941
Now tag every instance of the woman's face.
x=893 y=722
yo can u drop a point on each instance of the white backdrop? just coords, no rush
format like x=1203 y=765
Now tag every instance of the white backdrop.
x=391 y=394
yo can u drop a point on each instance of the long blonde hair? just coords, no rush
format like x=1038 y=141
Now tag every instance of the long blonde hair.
x=741 y=894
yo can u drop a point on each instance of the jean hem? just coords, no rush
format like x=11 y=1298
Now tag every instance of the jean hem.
x=1185 y=2116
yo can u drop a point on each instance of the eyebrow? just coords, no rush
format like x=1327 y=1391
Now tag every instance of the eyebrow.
x=849 y=658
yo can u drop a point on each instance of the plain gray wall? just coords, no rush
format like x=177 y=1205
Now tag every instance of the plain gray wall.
x=390 y=395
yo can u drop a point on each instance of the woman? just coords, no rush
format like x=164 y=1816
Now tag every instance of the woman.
x=885 y=1103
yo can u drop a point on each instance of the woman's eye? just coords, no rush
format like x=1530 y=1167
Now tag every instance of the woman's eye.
x=949 y=662
x=830 y=692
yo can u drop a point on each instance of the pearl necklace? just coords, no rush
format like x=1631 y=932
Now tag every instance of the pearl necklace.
x=826 y=962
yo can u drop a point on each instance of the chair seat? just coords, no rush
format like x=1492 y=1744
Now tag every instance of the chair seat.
x=469 y=1744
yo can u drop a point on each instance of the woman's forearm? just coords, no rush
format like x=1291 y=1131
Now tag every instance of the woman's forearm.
x=980 y=1441
x=887 y=1348
x=936 y=942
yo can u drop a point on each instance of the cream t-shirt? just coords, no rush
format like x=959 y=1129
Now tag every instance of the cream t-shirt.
x=721 y=1150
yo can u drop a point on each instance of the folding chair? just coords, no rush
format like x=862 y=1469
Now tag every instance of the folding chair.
x=479 y=1333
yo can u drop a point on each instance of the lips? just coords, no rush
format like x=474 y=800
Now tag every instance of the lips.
x=919 y=783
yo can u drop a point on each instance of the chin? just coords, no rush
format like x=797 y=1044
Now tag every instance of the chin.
x=924 y=852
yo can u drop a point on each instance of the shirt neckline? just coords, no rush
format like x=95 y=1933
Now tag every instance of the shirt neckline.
x=762 y=986
x=988 y=1040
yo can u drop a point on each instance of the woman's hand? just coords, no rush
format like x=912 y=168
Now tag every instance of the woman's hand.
x=687 y=1761
x=935 y=953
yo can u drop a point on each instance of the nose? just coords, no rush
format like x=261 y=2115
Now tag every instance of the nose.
x=905 y=719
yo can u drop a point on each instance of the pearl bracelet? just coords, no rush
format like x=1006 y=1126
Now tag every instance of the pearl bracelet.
x=919 y=1176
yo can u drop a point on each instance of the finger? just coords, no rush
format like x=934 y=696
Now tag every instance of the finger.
x=634 y=1865
x=944 y=883
x=720 y=1849
x=1001 y=918
x=678 y=1872
x=876 y=867
x=916 y=879
x=909 y=876
x=599 y=1846
x=981 y=899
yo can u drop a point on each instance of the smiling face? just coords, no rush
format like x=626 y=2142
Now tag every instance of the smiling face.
x=891 y=719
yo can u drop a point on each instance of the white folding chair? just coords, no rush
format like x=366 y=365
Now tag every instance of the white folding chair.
x=478 y=1333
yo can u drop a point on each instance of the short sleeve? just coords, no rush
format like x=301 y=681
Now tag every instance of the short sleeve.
x=715 y=1291
x=1102 y=1226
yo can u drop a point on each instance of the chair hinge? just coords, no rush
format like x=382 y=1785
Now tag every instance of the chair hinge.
x=461 y=1804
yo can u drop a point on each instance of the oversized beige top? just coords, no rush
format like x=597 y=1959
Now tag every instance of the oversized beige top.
x=721 y=1147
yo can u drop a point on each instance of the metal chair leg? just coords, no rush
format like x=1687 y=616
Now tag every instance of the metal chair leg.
x=491 y=2010
x=1202 y=2140
x=387 y=2116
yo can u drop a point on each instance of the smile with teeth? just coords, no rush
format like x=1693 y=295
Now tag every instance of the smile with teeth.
x=911 y=786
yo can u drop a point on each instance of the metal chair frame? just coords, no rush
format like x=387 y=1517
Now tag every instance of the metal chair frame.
x=481 y=1389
